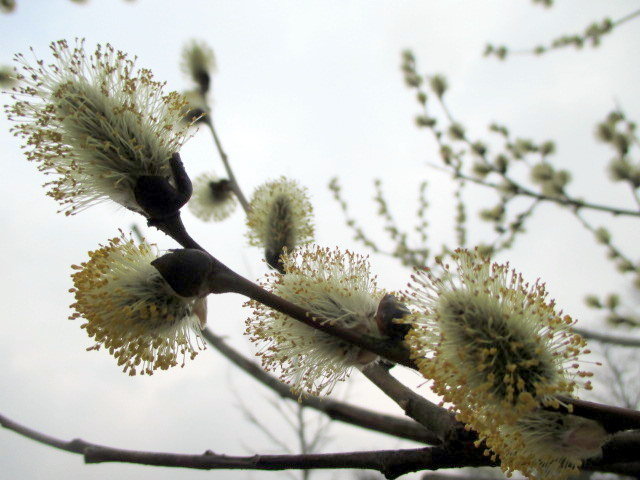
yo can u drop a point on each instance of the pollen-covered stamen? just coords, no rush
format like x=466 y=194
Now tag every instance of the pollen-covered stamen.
x=494 y=345
x=488 y=343
x=132 y=311
x=96 y=124
x=549 y=445
x=337 y=287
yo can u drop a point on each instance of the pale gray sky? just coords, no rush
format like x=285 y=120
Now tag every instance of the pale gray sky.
x=309 y=90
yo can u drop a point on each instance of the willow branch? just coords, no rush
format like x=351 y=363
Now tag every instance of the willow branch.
x=74 y=446
x=230 y=281
x=619 y=456
x=436 y=419
x=174 y=228
x=613 y=419
x=344 y=412
x=519 y=189
x=222 y=279
x=391 y=463
x=227 y=166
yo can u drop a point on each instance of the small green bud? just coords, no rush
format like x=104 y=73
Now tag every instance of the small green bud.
x=592 y=301
x=541 y=173
x=407 y=56
x=424 y=121
x=422 y=98
x=494 y=214
x=620 y=169
x=621 y=142
x=501 y=163
x=552 y=189
x=7 y=77
x=613 y=301
x=494 y=127
x=634 y=176
x=7 y=6
x=456 y=131
x=438 y=84
x=548 y=148
x=413 y=80
x=561 y=178
x=485 y=251
x=479 y=148
x=603 y=236
x=446 y=154
x=481 y=169
x=625 y=266
x=604 y=132
x=539 y=50
x=508 y=188
x=614 y=117
x=524 y=145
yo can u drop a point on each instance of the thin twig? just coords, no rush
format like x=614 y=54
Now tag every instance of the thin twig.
x=518 y=189
x=227 y=166
x=615 y=252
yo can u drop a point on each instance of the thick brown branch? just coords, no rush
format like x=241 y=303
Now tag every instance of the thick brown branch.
x=617 y=454
x=436 y=419
x=613 y=419
x=391 y=463
x=389 y=424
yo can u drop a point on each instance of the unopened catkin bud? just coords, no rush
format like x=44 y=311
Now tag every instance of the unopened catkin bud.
x=438 y=84
x=279 y=219
x=7 y=6
x=213 y=198
x=7 y=77
x=198 y=62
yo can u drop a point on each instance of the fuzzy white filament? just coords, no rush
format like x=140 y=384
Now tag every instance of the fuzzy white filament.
x=95 y=123
x=131 y=310
x=339 y=287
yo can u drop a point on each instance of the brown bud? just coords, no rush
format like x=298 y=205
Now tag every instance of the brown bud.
x=389 y=309
x=186 y=271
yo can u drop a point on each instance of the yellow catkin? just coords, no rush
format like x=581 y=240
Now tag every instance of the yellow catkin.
x=130 y=310
x=339 y=287
x=95 y=124
x=494 y=345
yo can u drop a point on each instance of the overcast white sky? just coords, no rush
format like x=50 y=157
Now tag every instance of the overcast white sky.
x=309 y=90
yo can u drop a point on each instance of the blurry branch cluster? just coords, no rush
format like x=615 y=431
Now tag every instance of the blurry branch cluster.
x=522 y=176
x=504 y=360
x=590 y=36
